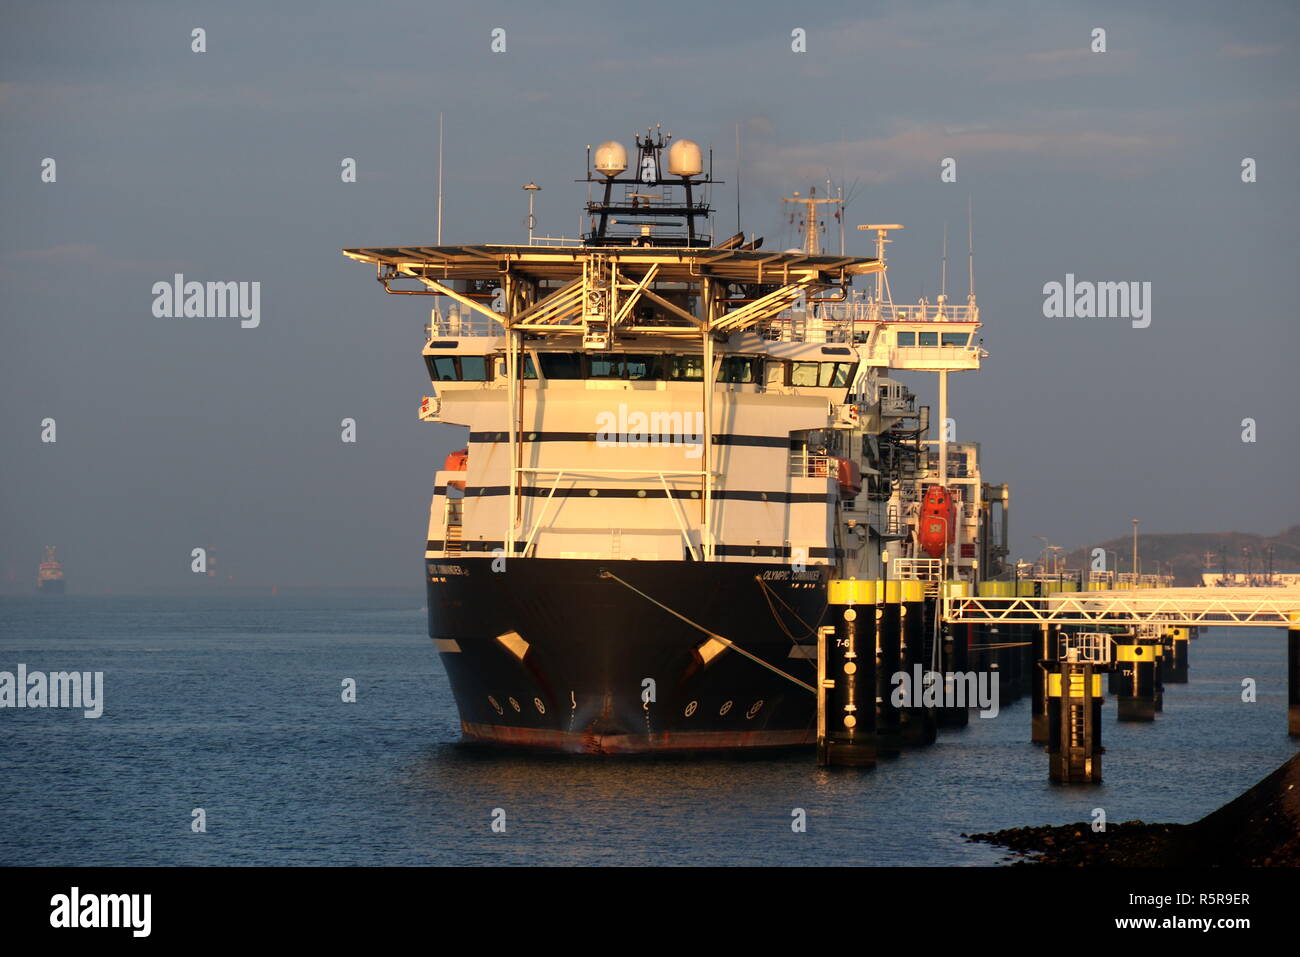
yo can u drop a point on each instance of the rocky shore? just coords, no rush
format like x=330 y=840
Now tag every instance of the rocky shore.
x=1261 y=828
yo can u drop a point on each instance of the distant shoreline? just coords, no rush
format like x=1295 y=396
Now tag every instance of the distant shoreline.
x=228 y=591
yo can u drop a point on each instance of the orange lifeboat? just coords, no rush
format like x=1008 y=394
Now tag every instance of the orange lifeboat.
x=936 y=528
x=457 y=461
x=849 y=477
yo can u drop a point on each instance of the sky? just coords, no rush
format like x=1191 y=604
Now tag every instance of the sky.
x=225 y=165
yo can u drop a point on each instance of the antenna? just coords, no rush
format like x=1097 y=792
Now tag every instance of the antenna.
x=882 y=275
x=440 y=178
x=738 y=229
x=841 y=219
x=810 y=224
x=970 y=246
x=943 y=275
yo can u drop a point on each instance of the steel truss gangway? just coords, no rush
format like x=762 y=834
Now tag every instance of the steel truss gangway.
x=1210 y=607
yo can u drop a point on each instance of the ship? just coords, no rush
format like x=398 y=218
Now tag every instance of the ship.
x=49 y=577
x=671 y=445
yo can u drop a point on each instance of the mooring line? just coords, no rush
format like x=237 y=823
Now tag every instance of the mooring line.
x=604 y=573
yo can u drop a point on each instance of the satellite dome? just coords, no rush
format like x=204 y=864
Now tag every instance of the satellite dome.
x=611 y=158
x=684 y=159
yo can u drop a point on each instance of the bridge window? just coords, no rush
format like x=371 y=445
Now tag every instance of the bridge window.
x=927 y=338
x=906 y=338
x=643 y=366
x=803 y=373
x=686 y=368
x=821 y=375
x=674 y=368
x=620 y=366
x=457 y=368
x=740 y=369
x=561 y=365
x=955 y=338
x=526 y=368
x=839 y=375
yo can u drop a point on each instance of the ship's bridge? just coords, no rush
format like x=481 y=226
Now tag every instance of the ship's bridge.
x=921 y=337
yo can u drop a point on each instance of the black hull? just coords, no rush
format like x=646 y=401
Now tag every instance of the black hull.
x=54 y=587
x=592 y=643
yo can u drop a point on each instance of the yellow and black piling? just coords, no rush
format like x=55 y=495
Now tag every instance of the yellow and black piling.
x=889 y=625
x=846 y=676
x=1173 y=661
x=1135 y=659
x=1158 y=672
x=1118 y=681
x=1048 y=648
x=1074 y=743
x=917 y=723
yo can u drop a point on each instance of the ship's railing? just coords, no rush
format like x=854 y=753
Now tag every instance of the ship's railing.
x=1191 y=606
x=1129 y=580
x=459 y=323
x=1050 y=581
x=1086 y=646
x=849 y=312
x=854 y=322
x=803 y=465
x=919 y=569
x=801 y=327
x=844 y=322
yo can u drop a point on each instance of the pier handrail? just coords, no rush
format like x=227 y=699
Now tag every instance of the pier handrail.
x=1191 y=606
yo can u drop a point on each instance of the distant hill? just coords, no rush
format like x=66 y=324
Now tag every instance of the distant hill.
x=1185 y=552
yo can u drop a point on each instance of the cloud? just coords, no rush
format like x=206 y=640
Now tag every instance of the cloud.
x=912 y=151
x=84 y=258
x=1246 y=49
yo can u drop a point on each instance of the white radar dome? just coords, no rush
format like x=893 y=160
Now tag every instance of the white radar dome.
x=611 y=158
x=684 y=159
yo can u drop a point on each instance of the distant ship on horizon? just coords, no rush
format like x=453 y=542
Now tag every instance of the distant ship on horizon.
x=49 y=578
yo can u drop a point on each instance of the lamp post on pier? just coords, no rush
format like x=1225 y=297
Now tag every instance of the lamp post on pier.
x=1135 y=551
